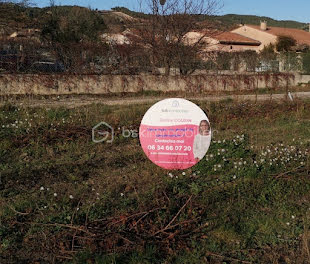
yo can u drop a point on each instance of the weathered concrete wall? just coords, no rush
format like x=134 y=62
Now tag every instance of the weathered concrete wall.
x=303 y=79
x=102 y=84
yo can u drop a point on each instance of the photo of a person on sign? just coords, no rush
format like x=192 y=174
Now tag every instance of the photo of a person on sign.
x=202 y=140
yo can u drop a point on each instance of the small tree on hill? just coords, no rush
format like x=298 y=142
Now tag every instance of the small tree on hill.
x=72 y=25
x=69 y=31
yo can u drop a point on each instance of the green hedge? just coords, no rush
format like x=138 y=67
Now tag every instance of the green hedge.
x=306 y=62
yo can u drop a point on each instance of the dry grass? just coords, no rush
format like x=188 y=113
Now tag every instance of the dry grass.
x=65 y=199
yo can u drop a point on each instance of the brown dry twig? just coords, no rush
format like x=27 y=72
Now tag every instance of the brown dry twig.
x=122 y=218
x=173 y=219
x=228 y=258
x=297 y=169
x=77 y=228
x=17 y=212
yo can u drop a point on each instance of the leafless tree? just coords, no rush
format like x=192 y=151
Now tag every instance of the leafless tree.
x=165 y=31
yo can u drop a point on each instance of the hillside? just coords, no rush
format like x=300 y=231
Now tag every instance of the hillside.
x=14 y=16
x=232 y=19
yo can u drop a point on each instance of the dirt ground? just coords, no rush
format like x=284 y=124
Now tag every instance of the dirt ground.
x=76 y=101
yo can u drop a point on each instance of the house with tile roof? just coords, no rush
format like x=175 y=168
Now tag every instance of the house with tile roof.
x=221 y=41
x=248 y=37
x=232 y=42
x=269 y=35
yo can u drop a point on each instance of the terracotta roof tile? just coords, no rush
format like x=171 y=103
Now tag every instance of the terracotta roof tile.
x=234 y=39
x=301 y=36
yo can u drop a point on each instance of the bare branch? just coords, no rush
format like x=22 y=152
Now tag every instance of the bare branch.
x=164 y=33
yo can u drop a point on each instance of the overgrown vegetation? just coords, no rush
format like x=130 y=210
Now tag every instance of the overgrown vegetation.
x=66 y=199
x=70 y=39
x=285 y=43
x=72 y=25
x=306 y=62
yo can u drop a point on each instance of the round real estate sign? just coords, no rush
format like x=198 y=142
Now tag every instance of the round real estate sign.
x=175 y=134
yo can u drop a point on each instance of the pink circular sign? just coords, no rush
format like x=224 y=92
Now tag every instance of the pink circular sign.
x=175 y=134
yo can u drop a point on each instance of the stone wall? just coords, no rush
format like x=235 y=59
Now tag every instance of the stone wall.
x=303 y=79
x=22 y=84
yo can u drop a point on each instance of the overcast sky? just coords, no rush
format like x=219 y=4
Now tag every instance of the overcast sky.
x=298 y=10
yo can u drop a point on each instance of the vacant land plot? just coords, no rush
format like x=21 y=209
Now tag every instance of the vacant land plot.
x=66 y=199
